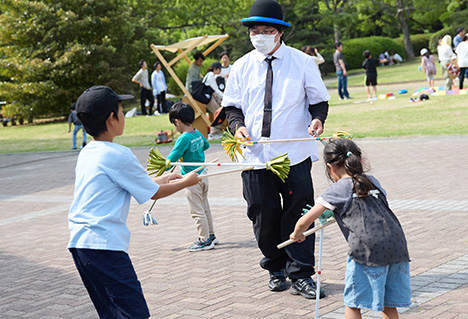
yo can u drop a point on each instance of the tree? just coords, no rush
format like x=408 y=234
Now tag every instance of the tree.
x=50 y=51
x=401 y=10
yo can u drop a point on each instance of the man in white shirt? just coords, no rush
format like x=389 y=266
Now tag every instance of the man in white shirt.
x=294 y=106
x=141 y=77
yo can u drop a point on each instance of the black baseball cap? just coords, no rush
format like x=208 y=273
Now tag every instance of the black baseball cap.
x=99 y=101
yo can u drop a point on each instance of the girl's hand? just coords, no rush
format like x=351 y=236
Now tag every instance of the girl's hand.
x=298 y=236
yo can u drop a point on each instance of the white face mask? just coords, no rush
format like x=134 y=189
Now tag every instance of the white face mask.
x=263 y=43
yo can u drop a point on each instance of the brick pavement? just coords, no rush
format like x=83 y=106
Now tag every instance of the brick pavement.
x=425 y=179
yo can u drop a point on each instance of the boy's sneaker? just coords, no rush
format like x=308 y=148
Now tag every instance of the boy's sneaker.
x=200 y=245
x=213 y=239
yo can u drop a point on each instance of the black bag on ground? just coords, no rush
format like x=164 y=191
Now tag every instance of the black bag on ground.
x=167 y=106
x=201 y=92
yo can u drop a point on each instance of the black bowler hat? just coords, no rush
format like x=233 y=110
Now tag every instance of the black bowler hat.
x=265 y=12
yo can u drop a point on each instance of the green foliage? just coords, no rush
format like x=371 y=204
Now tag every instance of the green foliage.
x=353 y=49
x=51 y=51
x=436 y=36
x=418 y=41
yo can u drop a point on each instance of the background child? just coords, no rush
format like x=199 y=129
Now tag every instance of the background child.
x=370 y=65
x=107 y=176
x=190 y=147
x=428 y=66
x=72 y=118
x=377 y=271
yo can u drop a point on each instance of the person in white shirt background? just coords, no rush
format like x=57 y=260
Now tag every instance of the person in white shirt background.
x=313 y=52
x=141 y=77
x=159 y=87
x=225 y=58
x=462 y=57
x=445 y=52
x=294 y=106
x=215 y=102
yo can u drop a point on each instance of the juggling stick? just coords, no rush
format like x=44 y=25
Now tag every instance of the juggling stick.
x=279 y=165
x=148 y=218
x=308 y=232
x=227 y=172
x=232 y=144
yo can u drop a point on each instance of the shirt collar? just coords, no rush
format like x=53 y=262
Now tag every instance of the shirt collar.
x=278 y=54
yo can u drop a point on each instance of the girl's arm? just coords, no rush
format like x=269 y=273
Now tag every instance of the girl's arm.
x=422 y=65
x=305 y=221
x=319 y=59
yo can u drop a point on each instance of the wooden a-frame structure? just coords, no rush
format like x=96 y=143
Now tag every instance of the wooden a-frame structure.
x=182 y=49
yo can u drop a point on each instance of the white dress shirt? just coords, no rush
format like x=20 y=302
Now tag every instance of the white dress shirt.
x=296 y=84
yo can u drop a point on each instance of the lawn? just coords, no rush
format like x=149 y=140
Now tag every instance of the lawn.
x=404 y=72
x=440 y=115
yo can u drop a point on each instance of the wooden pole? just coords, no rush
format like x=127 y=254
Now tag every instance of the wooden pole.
x=190 y=48
x=215 y=45
x=195 y=105
x=308 y=232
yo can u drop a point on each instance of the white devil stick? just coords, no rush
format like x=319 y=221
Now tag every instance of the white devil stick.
x=232 y=144
x=279 y=165
x=308 y=232
x=148 y=218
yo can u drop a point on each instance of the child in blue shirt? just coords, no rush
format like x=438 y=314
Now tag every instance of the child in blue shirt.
x=107 y=176
x=377 y=267
x=190 y=147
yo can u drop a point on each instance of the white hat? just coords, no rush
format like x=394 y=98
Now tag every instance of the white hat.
x=424 y=51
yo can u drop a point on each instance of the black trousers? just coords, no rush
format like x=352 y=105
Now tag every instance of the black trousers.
x=146 y=95
x=274 y=208
x=462 y=77
x=161 y=98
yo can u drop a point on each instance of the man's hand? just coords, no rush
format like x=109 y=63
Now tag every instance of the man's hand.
x=315 y=125
x=242 y=133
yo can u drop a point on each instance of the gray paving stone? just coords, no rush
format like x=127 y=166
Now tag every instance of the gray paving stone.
x=426 y=187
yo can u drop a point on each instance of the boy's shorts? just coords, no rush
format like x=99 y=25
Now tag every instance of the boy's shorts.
x=111 y=282
x=371 y=80
x=377 y=287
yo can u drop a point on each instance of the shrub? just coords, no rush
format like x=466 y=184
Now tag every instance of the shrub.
x=353 y=49
x=418 y=41
x=436 y=36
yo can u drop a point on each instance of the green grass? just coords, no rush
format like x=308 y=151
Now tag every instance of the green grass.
x=440 y=115
x=404 y=72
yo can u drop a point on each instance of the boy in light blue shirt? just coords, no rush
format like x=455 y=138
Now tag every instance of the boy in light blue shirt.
x=107 y=176
x=190 y=147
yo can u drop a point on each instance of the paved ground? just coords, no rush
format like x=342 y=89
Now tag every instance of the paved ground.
x=426 y=183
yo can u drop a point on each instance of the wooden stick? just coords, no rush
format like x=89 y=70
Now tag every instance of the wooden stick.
x=227 y=172
x=216 y=164
x=203 y=167
x=308 y=232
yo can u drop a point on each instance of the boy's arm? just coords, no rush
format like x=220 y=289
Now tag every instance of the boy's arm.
x=69 y=127
x=179 y=149
x=176 y=185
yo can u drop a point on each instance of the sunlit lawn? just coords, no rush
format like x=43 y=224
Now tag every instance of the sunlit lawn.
x=440 y=115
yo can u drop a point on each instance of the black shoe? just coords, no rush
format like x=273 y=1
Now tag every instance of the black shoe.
x=277 y=281
x=305 y=287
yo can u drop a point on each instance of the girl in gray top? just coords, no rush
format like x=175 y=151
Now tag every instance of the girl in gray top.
x=377 y=272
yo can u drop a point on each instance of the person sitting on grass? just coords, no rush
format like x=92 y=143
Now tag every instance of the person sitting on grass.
x=107 y=176
x=190 y=147
x=370 y=65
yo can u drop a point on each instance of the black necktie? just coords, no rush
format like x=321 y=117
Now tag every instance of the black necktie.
x=266 y=128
